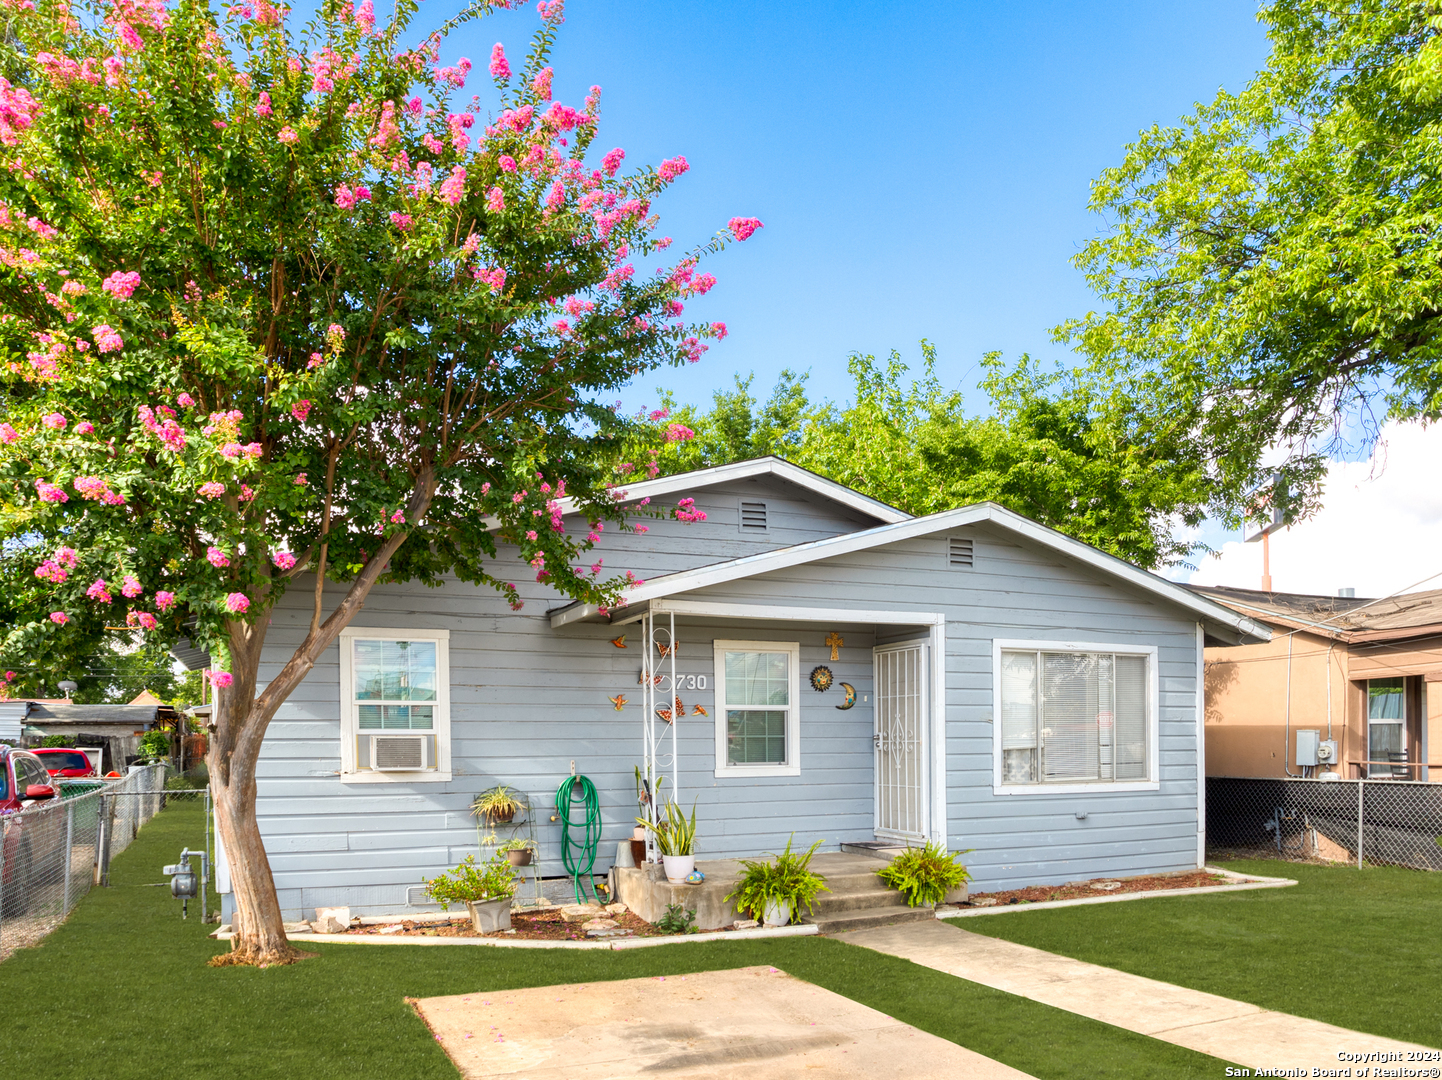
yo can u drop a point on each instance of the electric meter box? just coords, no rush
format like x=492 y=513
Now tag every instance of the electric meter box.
x=1327 y=751
x=1308 y=740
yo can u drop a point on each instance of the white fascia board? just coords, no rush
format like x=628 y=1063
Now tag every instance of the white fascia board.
x=746 y=470
x=831 y=546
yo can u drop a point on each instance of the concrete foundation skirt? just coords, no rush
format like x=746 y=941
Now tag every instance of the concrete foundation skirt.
x=488 y=916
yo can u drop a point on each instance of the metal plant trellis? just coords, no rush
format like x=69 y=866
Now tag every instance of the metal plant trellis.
x=658 y=686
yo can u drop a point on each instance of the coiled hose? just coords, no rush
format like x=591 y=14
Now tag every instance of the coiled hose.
x=578 y=855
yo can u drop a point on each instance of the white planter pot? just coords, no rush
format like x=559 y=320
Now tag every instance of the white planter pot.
x=777 y=913
x=488 y=916
x=677 y=867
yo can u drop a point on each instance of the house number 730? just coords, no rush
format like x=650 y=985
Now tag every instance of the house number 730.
x=690 y=682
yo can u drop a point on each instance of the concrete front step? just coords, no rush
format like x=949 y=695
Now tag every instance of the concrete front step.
x=839 y=900
x=867 y=919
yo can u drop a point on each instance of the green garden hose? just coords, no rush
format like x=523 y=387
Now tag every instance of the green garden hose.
x=578 y=856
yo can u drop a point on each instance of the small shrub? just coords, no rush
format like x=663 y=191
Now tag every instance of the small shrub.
x=677 y=920
x=55 y=741
x=492 y=880
x=925 y=874
x=154 y=746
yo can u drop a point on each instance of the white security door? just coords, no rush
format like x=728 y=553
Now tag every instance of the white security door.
x=902 y=698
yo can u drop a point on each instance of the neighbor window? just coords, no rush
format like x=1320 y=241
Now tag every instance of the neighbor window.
x=395 y=704
x=1386 y=727
x=1074 y=716
x=757 y=708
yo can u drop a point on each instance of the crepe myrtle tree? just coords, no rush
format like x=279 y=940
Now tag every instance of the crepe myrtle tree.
x=277 y=301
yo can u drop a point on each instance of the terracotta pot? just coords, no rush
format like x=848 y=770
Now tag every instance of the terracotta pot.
x=638 y=851
x=520 y=858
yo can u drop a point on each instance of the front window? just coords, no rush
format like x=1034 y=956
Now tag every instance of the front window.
x=395 y=704
x=1386 y=727
x=757 y=710
x=1074 y=717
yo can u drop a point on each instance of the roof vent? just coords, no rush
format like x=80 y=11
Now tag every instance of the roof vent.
x=1346 y=594
x=959 y=550
x=753 y=516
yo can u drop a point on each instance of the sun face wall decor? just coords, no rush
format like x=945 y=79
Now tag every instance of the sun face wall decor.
x=821 y=678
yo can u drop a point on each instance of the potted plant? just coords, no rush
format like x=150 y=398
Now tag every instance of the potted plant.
x=675 y=839
x=497 y=805
x=925 y=875
x=776 y=892
x=486 y=890
x=518 y=851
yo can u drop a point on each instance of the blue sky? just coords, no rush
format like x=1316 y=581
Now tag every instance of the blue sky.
x=922 y=168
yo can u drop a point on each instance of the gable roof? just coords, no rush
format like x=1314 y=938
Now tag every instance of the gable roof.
x=748 y=470
x=1209 y=611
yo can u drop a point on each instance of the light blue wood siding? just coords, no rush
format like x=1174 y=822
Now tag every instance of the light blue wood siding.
x=527 y=700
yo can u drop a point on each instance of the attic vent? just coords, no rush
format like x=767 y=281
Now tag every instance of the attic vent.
x=959 y=550
x=753 y=516
x=397 y=753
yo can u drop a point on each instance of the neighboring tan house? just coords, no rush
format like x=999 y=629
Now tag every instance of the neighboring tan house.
x=1356 y=671
x=846 y=673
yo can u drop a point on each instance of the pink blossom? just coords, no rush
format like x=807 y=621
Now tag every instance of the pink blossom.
x=246 y=493
x=216 y=557
x=284 y=560
x=453 y=188
x=743 y=227
x=403 y=222
x=551 y=11
x=500 y=66
x=99 y=591
x=54 y=421
x=365 y=17
x=495 y=278
x=67 y=557
x=530 y=535
x=8 y=434
x=130 y=586
x=51 y=571
x=237 y=603
x=672 y=168
x=300 y=480
x=130 y=37
x=121 y=285
x=556 y=197
x=719 y=329
x=300 y=410
x=288 y=135
x=541 y=84
x=678 y=433
x=495 y=200
x=221 y=678
x=107 y=339
x=686 y=511
x=59 y=618
x=49 y=492
x=85 y=427
x=415 y=106
x=263 y=107
x=185 y=401
x=164 y=600
x=344 y=197
x=433 y=144
x=507 y=163
x=142 y=619
x=212 y=489
x=230 y=450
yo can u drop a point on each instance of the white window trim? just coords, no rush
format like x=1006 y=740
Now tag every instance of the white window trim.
x=1153 y=783
x=349 y=720
x=793 y=709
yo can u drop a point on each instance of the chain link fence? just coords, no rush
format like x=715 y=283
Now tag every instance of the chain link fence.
x=1383 y=822
x=53 y=853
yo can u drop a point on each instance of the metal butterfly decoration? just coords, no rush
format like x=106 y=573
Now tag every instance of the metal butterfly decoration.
x=666 y=714
x=699 y=710
x=667 y=650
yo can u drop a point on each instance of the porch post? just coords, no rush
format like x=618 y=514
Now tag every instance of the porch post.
x=937 y=700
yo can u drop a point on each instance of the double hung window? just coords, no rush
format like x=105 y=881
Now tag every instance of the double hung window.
x=1387 y=727
x=757 y=708
x=1074 y=715
x=395 y=704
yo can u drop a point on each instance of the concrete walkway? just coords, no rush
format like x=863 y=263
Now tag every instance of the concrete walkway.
x=710 y=1025
x=1231 y=1030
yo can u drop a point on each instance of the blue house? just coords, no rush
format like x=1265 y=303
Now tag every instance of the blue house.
x=805 y=661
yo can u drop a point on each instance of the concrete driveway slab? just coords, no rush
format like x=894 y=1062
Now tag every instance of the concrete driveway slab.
x=1231 y=1030
x=721 y=1025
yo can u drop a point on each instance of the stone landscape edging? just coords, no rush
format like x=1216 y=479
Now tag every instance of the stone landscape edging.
x=1241 y=883
x=618 y=944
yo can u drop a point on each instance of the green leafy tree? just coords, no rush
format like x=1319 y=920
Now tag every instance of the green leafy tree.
x=1048 y=450
x=1272 y=269
x=274 y=303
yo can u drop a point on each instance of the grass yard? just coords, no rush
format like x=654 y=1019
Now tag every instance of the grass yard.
x=1359 y=949
x=121 y=990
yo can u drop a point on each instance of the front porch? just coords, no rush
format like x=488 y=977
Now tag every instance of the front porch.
x=856 y=898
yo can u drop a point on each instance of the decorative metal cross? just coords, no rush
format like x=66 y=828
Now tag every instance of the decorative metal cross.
x=834 y=640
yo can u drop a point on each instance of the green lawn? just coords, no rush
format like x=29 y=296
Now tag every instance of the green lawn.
x=1359 y=949
x=122 y=990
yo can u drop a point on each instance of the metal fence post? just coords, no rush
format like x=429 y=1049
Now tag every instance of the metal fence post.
x=69 y=847
x=4 y=828
x=1360 y=783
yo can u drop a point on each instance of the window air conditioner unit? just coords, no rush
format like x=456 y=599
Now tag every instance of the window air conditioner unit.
x=400 y=753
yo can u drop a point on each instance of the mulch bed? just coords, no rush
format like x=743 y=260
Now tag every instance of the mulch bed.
x=1036 y=894
x=527 y=925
